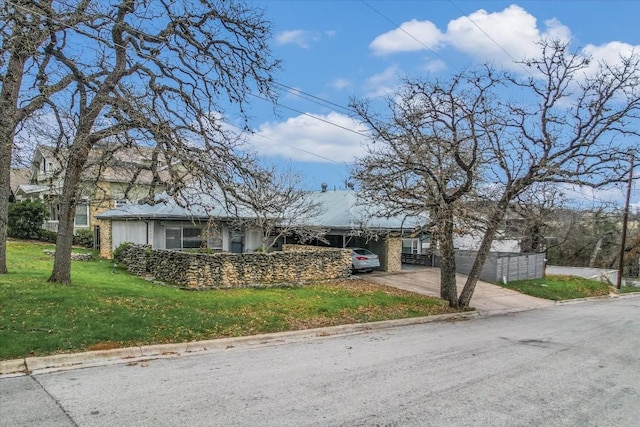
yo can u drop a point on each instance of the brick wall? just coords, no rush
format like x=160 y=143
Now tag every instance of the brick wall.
x=227 y=270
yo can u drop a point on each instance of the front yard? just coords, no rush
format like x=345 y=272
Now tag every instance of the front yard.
x=105 y=307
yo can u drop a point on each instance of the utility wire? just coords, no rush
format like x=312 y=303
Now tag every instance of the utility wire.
x=407 y=33
x=475 y=24
x=289 y=89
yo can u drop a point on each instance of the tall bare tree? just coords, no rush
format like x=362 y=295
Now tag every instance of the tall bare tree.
x=445 y=138
x=274 y=202
x=160 y=72
x=568 y=133
x=29 y=29
x=426 y=156
x=535 y=217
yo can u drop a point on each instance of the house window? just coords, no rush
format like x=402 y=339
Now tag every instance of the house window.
x=410 y=246
x=82 y=214
x=173 y=238
x=183 y=237
x=191 y=237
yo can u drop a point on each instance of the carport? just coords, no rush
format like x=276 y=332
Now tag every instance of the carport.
x=350 y=222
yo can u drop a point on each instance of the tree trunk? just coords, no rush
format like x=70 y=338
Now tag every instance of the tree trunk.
x=62 y=262
x=6 y=142
x=483 y=252
x=9 y=117
x=448 y=288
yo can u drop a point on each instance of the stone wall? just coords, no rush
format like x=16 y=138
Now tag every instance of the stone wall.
x=74 y=255
x=227 y=270
x=393 y=254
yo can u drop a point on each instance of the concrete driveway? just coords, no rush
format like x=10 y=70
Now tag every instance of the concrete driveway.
x=486 y=298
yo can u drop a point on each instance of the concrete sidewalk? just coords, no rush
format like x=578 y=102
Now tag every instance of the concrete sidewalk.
x=486 y=297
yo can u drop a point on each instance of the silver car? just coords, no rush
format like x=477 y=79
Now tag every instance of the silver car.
x=364 y=260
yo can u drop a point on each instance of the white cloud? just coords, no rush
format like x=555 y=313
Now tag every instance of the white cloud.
x=610 y=53
x=311 y=138
x=383 y=83
x=302 y=38
x=411 y=36
x=339 y=84
x=435 y=65
x=588 y=197
x=502 y=37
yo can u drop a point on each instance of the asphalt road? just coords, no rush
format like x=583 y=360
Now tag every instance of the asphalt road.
x=567 y=365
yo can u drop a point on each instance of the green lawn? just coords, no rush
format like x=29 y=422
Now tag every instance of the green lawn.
x=106 y=308
x=628 y=289
x=559 y=288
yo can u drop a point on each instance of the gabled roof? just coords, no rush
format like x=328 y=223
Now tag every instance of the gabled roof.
x=31 y=189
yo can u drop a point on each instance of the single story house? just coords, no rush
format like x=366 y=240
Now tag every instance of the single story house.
x=170 y=226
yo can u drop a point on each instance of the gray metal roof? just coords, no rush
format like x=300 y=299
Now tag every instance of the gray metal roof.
x=169 y=209
x=340 y=210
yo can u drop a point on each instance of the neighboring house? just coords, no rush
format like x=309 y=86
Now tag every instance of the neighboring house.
x=471 y=242
x=18 y=177
x=111 y=180
x=169 y=226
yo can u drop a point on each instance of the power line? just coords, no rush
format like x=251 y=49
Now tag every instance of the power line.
x=313 y=98
x=475 y=24
x=289 y=89
x=407 y=33
x=314 y=117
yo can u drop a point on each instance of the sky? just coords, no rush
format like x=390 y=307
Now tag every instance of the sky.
x=336 y=50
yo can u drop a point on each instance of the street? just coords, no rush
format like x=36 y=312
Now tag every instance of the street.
x=565 y=365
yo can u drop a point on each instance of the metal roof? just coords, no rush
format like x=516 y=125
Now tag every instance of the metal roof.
x=340 y=209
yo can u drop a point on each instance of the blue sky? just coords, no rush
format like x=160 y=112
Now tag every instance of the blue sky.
x=333 y=50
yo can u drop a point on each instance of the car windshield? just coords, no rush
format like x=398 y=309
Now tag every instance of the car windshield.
x=363 y=252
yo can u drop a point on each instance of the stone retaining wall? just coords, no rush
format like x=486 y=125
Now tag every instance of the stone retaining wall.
x=74 y=256
x=229 y=270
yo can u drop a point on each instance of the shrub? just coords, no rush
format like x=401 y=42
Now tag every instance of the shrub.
x=120 y=252
x=84 y=237
x=26 y=218
x=48 y=236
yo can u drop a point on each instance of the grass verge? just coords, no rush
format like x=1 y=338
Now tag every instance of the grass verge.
x=628 y=289
x=557 y=288
x=105 y=308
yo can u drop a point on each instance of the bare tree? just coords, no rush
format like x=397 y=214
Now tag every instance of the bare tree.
x=274 y=202
x=426 y=157
x=533 y=217
x=588 y=238
x=161 y=73
x=566 y=134
x=29 y=30
x=444 y=139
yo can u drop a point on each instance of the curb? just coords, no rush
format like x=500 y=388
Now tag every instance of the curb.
x=63 y=362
